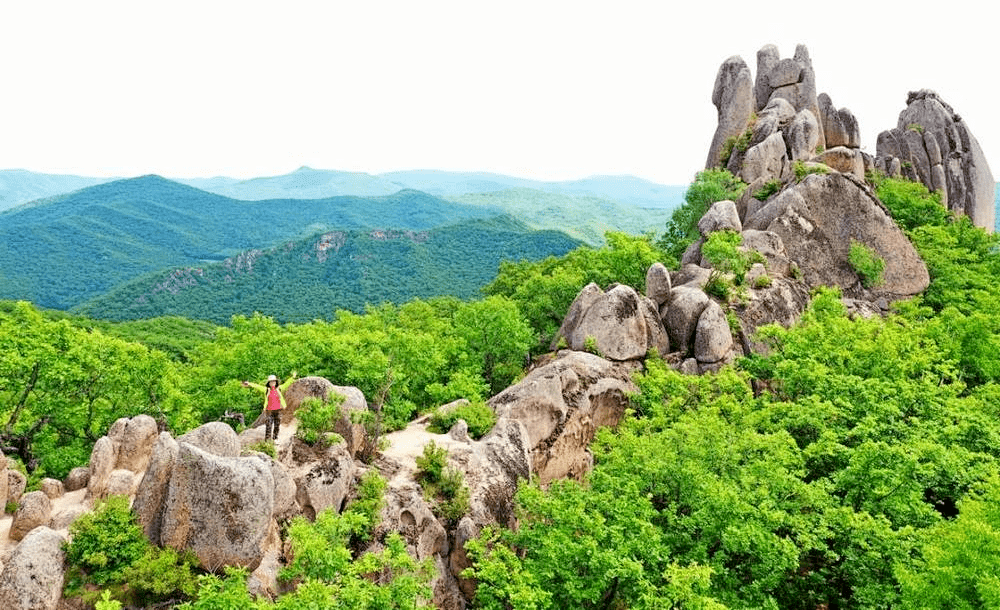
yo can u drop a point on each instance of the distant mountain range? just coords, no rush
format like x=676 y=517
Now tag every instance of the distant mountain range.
x=64 y=250
x=20 y=186
x=311 y=278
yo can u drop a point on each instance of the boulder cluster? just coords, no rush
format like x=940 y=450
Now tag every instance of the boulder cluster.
x=933 y=145
x=768 y=123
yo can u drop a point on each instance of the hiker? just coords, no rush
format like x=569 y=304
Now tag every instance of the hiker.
x=274 y=402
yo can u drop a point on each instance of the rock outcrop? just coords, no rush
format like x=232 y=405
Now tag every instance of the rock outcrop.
x=932 y=144
x=733 y=96
x=32 y=579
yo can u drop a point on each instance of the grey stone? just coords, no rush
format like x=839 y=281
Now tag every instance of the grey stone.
x=32 y=578
x=588 y=295
x=733 y=96
x=713 y=339
x=616 y=325
x=722 y=215
x=16 y=483
x=216 y=438
x=844 y=160
x=803 y=136
x=658 y=284
x=103 y=458
x=34 y=510
x=767 y=160
x=53 y=488
x=681 y=319
x=77 y=478
x=136 y=443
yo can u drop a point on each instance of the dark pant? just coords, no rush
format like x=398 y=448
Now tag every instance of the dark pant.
x=272 y=422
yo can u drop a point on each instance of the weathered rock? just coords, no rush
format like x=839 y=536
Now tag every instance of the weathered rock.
x=656 y=334
x=323 y=481
x=285 y=491
x=587 y=297
x=136 y=443
x=4 y=483
x=33 y=577
x=691 y=275
x=770 y=246
x=817 y=221
x=215 y=437
x=801 y=94
x=561 y=405
x=692 y=254
x=103 y=458
x=839 y=126
x=122 y=482
x=459 y=559
x=53 y=488
x=767 y=58
x=803 y=136
x=459 y=431
x=721 y=216
x=733 y=97
x=65 y=517
x=766 y=161
x=929 y=129
x=658 y=284
x=713 y=339
x=844 y=160
x=263 y=581
x=218 y=507
x=78 y=478
x=689 y=366
x=407 y=512
x=16 y=482
x=686 y=305
x=782 y=302
x=616 y=325
x=150 y=498
x=34 y=510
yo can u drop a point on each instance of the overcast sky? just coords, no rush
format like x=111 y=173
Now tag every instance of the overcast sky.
x=547 y=90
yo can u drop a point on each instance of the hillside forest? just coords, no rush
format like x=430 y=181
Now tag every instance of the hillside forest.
x=855 y=465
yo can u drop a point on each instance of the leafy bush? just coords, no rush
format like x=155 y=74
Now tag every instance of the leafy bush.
x=265 y=447
x=721 y=249
x=802 y=169
x=866 y=262
x=104 y=544
x=910 y=203
x=770 y=187
x=709 y=186
x=762 y=281
x=318 y=417
x=478 y=415
x=444 y=485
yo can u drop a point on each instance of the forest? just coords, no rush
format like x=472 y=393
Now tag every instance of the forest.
x=855 y=465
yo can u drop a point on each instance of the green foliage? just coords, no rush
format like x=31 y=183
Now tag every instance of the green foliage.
x=106 y=603
x=442 y=484
x=318 y=417
x=708 y=187
x=866 y=262
x=497 y=337
x=162 y=574
x=917 y=127
x=960 y=559
x=770 y=188
x=265 y=447
x=478 y=415
x=61 y=388
x=738 y=143
x=910 y=203
x=722 y=250
x=762 y=281
x=104 y=544
x=803 y=169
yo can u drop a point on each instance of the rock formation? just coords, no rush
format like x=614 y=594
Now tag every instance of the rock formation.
x=932 y=144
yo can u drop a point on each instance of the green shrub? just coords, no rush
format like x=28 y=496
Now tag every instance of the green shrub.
x=762 y=281
x=478 y=415
x=770 y=187
x=590 y=345
x=866 y=262
x=318 y=417
x=103 y=545
x=442 y=485
x=265 y=447
x=718 y=285
x=917 y=127
x=721 y=248
x=162 y=574
x=709 y=186
x=802 y=170
x=910 y=203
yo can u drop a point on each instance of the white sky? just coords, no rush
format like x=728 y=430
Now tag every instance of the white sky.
x=547 y=90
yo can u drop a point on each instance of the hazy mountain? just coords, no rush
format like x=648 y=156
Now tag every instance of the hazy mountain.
x=303 y=183
x=311 y=278
x=64 y=250
x=18 y=186
x=584 y=217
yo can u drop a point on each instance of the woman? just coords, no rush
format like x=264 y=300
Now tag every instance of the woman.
x=274 y=402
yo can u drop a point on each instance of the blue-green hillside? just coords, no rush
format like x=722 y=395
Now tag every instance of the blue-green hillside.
x=312 y=278
x=65 y=250
x=585 y=217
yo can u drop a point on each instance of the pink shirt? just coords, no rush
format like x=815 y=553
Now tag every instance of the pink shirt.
x=273 y=399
